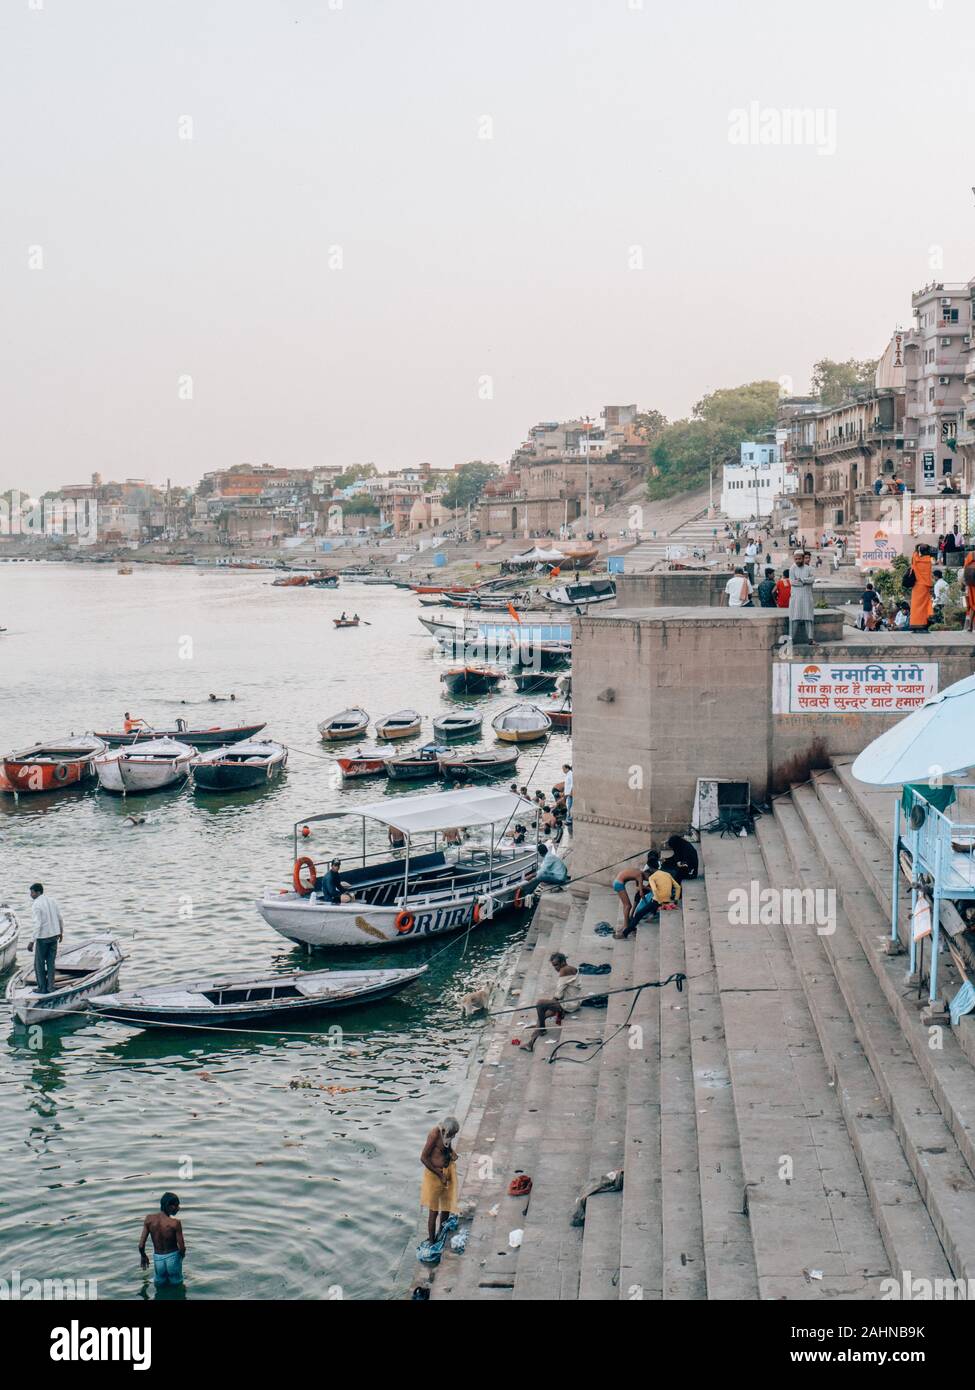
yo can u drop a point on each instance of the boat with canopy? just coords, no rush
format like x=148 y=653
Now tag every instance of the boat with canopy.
x=436 y=885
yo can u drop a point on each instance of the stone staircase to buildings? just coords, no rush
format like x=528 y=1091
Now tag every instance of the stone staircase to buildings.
x=788 y=1125
x=697 y=533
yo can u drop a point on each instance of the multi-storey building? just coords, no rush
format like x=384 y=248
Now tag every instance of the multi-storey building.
x=937 y=356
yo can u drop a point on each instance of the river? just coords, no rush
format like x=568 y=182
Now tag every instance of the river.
x=296 y=1159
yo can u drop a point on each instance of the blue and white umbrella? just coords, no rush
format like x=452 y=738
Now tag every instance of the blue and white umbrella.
x=937 y=740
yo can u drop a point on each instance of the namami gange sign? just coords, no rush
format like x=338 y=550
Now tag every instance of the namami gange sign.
x=852 y=687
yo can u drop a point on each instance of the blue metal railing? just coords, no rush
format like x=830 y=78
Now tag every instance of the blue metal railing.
x=944 y=850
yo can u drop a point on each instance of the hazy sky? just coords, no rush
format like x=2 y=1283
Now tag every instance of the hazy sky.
x=326 y=132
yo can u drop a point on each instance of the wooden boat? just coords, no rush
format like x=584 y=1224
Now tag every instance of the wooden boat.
x=231 y=999
x=346 y=622
x=214 y=737
x=307 y=581
x=430 y=890
x=348 y=723
x=9 y=931
x=535 y=682
x=124 y=569
x=405 y=723
x=559 y=710
x=48 y=767
x=582 y=595
x=82 y=971
x=425 y=762
x=472 y=680
x=145 y=767
x=253 y=763
x=463 y=724
x=473 y=766
x=521 y=724
x=364 y=763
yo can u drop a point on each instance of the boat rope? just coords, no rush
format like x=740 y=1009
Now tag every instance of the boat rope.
x=597 y=1044
x=678 y=978
x=95 y=1017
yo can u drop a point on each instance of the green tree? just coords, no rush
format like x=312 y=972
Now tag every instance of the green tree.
x=683 y=451
x=649 y=424
x=468 y=481
x=833 y=381
x=355 y=474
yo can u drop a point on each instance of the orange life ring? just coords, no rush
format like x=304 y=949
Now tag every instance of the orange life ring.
x=300 y=887
x=476 y=914
x=404 y=922
x=518 y=897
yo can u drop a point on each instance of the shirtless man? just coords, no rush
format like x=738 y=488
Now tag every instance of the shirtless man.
x=168 y=1246
x=438 y=1190
x=623 y=893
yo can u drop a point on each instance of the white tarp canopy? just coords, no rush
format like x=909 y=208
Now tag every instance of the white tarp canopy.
x=438 y=811
x=936 y=740
x=538 y=556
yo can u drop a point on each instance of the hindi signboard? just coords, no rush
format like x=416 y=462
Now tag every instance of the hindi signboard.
x=879 y=546
x=853 y=686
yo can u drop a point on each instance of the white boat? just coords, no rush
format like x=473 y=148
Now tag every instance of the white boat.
x=436 y=887
x=461 y=724
x=9 y=931
x=403 y=724
x=582 y=595
x=145 y=767
x=348 y=723
x=82 y=971
x=253 y=763
x=521 y=724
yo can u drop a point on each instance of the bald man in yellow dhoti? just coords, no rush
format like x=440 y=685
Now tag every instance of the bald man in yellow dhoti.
x=439 y=1188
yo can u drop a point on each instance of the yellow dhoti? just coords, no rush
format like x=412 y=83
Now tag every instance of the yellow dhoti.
x=439 y=1196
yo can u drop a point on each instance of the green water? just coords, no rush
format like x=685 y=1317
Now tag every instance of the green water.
x=287 y=1191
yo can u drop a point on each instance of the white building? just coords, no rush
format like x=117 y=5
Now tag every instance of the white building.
x=751 y=484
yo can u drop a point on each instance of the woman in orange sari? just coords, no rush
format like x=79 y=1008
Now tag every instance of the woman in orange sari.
x=969 y=592
x=921 y=604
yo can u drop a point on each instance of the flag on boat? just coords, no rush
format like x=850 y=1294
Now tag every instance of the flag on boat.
x=513 y=612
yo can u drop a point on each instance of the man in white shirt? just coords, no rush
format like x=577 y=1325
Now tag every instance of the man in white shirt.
x=48 y=931
x=939 y=597
x=738 y=591
x=567 y=790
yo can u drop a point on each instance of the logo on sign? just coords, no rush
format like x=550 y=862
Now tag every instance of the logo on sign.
x=811 y=673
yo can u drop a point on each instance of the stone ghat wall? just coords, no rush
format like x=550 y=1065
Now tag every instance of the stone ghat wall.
x=664 y=696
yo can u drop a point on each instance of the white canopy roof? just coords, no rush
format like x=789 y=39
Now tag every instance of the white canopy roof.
x=537 y=555
x=936 y=740
x=437 y=811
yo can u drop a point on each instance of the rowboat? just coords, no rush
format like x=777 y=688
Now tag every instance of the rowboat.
x=425 y=762
x=145 y=767
x=251 y=764
x=346 y=622
x=432 y=889
x=50 y=766
x=307 y=581
x=403 y=724
x=582 y=595
x=472 y=680
x=348 y=723
x=371 y=763
x=227 y=1000
x=473 y=766
x=535 y=682
x=559 y=710
x=521 y=724
x=82 y=971
x=214 y=737
x=9 y=930
x=463 y=724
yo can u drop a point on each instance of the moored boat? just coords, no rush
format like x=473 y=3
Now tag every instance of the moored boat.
x=432 y=889
x=348 y=723
x=473 y=766
x=253 y=763
x=472 y=680
x=582 y=595
x=462 y=724
x=82 y=971
x=238 y=999
x=346 y=622
x=405 y=723
x=521 y=724
x=9 y=931
x=559 y=710
x=145 y=767
x=46 y=767
x=535 y=682
x=213 y=737
x=364 y=763
x=425 y=762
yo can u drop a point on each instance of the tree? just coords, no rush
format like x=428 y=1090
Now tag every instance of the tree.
x=649 y=424
x=355 y=474
x=833 y=381
x=468 y=481
x=684 y=451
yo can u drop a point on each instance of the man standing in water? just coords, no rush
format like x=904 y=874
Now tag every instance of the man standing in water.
x=168 y=1246
x=438 y=1191
x=48 y=931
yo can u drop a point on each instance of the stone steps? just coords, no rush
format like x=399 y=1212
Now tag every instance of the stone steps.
x=813 y=1233
x=908 y=1234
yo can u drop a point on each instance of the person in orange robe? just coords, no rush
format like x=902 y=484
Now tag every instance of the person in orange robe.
x=921 y=604
x=970 y=594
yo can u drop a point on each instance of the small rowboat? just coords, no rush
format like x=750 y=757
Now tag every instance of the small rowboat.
x=232 y=999
x=464 y=724
x=535 y=682
x=405 y=723
x=559 y=711
x=82 y=971
x=47 y=767
x=146 y=767
x=214 y=737
x=425 y=762
x=368 y=763
x=521 y=724
x=346 y=622
x=472 y=680
x=9 y=930
x=251 y=764
x=474 y=766
x=348 y=723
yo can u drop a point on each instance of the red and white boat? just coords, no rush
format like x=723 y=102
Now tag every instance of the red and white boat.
x=51 y=766
x=365 y=763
